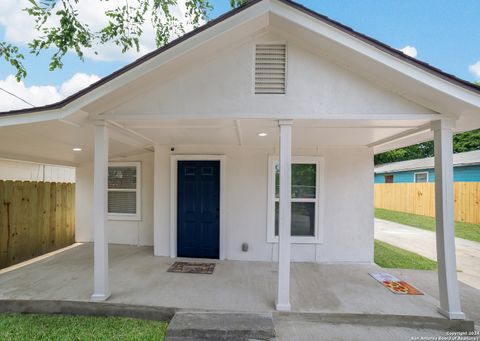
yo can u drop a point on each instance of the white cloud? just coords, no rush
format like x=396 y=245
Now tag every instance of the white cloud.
x=20 y=28
x=77 y=83
x=475 y=69
x=409 y=51
x=40 y=95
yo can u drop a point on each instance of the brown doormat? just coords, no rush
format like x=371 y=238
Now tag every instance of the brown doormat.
x=192 y=268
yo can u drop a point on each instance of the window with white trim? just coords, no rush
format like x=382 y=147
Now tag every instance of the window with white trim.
x=124 y=190
x=307 y=176
x=421 y=177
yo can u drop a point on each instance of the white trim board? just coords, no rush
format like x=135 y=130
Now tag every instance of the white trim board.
x=173 y=199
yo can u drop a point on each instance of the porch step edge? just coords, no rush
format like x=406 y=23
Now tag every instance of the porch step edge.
x=385 y=320
x=196 y=325
x=160 y=313
x=86 y=308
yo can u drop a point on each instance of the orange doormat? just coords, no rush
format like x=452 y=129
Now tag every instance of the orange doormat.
x=394 y=284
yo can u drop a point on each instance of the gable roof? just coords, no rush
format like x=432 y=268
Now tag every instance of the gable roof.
x=460 y=159
x=371 y=41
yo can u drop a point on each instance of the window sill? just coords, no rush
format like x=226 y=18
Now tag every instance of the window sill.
x=297 y=240
x=126 y=217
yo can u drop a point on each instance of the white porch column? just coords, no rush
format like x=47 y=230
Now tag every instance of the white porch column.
x=445 y=233
x=284 y=225
x=101 y=289
x=161 y=200
x=156 y=198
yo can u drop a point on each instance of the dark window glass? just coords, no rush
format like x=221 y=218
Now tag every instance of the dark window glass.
x=304 y=177
x=122 y=177
x=303 y=219
x=388 y=179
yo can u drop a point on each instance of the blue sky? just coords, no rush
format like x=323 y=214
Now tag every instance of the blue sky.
x=445 y=34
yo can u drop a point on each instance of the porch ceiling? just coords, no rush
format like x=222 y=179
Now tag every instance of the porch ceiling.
x=307 y=133
x=53 y=141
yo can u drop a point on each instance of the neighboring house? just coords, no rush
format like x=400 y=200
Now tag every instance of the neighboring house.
x=466 y=168
x=31 y=171
x=187 y=142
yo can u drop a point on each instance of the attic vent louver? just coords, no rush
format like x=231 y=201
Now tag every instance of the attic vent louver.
x=270 y=68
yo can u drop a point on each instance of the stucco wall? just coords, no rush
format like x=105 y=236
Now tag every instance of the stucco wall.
x=119 y=232
x=348 y=222
x=313 y=85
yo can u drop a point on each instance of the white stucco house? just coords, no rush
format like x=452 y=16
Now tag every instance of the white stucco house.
x=250 y=138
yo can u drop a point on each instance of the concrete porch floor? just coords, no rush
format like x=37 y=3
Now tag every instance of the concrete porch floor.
x=138 y=277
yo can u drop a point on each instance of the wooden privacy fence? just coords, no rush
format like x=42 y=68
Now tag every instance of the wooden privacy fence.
x=35 y=218
x=419 y=198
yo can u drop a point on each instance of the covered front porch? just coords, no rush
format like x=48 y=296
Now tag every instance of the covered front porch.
x=343 y=229
x=142 y=279
x=441 y=129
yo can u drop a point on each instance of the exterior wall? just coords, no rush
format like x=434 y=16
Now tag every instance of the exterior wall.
x=29 y=171
x=313 y=85
x=348 y=221
x=120 y=232
x=460 y=174
x=467 y=174
x=404 y=177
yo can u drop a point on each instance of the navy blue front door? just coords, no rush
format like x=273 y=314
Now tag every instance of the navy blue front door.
x=198 y=209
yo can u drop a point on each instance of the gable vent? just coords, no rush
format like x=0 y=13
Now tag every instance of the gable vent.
x=270 y=68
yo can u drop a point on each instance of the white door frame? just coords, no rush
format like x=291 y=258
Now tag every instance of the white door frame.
x=173 y=198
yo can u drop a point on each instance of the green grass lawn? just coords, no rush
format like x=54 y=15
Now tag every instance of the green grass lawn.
x=66 y=327
x=389 y=256
x=462 y=230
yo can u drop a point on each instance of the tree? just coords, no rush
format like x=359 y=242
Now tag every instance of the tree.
x=463 y=142
x=237 y=3
x=124 y=27
x=12 y=55
x=417 y=151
